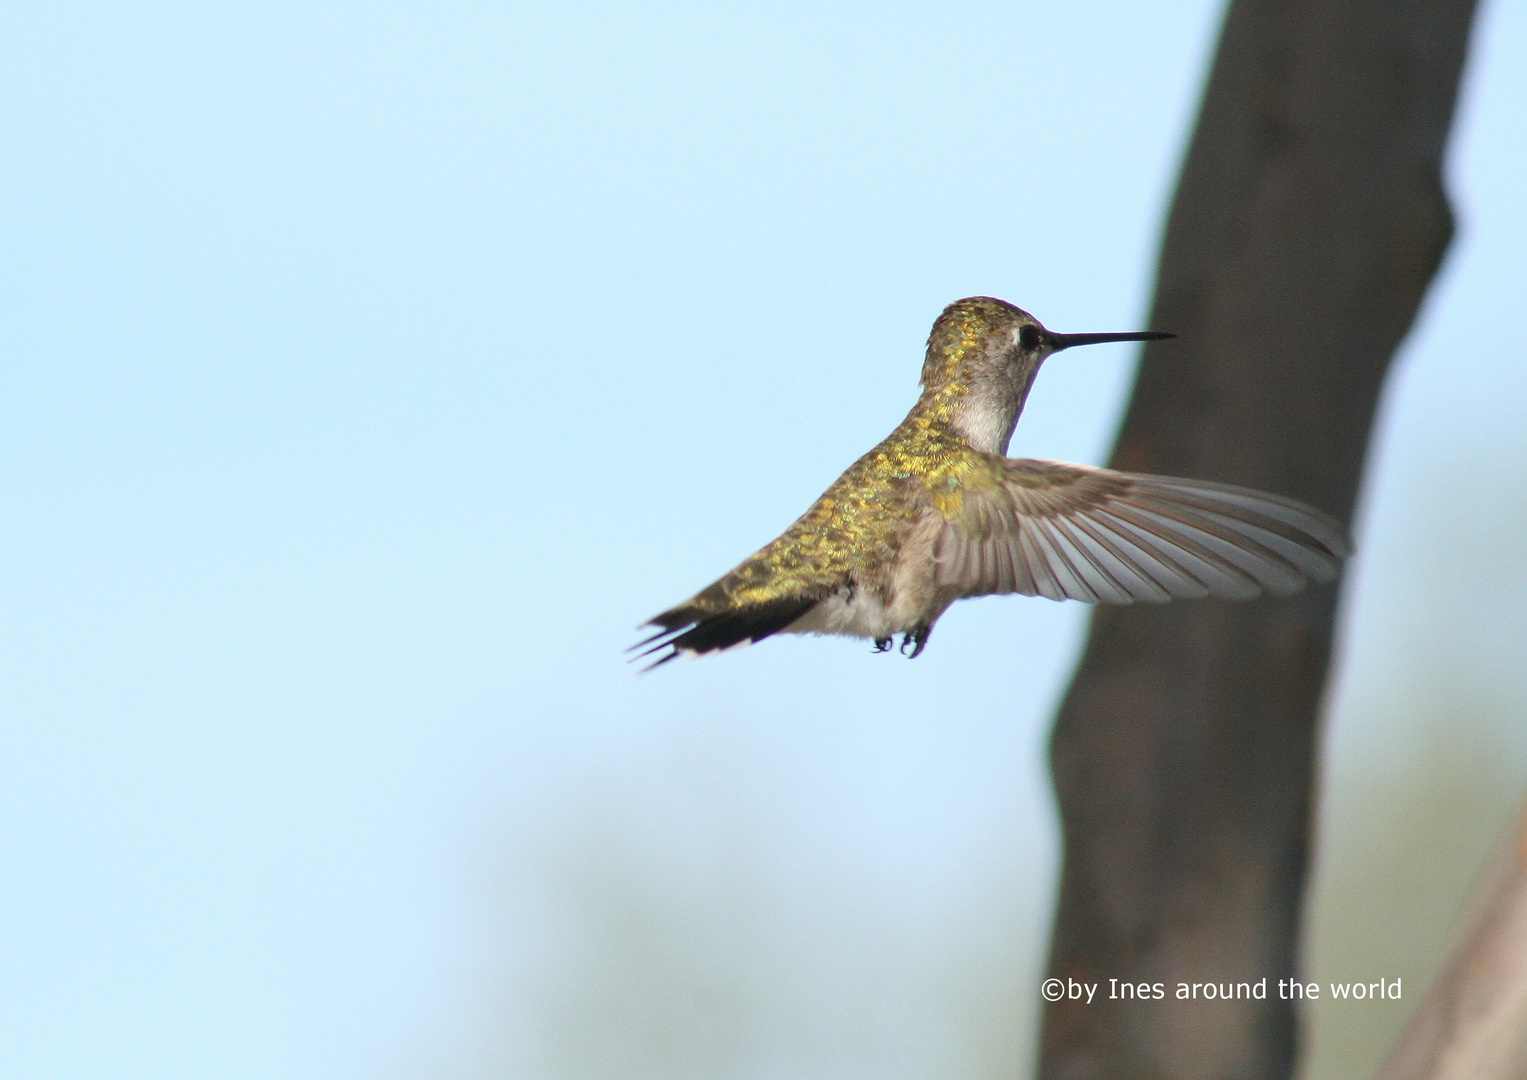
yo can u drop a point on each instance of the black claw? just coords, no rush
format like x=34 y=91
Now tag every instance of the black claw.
x=917 y=639
x=882 y=644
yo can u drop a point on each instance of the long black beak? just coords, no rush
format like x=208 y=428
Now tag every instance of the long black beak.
x=1067 y=341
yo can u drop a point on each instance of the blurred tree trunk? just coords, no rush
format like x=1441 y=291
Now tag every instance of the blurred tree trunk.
x=1307 y=225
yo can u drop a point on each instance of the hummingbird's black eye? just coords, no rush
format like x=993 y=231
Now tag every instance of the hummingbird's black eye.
x=1028 y=337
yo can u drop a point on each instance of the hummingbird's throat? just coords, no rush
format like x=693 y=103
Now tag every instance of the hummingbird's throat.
x=986 y=413
x=986 y=422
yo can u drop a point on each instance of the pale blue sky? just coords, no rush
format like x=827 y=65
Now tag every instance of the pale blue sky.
x=371 y=371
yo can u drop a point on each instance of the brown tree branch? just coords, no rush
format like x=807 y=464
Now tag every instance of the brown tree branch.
x=1472 y=1024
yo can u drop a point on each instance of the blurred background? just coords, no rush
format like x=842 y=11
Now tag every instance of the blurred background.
x=372 y=369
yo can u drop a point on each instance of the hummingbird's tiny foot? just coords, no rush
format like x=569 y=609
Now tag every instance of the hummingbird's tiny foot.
x=917 y=639
x=882 y=644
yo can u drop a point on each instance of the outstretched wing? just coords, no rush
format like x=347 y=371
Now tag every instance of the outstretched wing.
x=1073 y=532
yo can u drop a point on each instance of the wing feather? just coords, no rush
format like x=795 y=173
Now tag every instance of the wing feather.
x=1103 y=548
x=1153 y=581
x=1271 y=537
x=1183 y=546
x=1072 y=581
x=1073 y=532
x=1220 y=498
x=1091 y=561
x=1036 y=562
x=1007 y=573
x=1023 y=573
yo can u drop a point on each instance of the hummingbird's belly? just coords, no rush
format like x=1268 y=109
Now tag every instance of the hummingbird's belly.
x=903 y=599
x=850 y=612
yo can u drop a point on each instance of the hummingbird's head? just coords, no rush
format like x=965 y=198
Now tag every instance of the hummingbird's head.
x=982 y=357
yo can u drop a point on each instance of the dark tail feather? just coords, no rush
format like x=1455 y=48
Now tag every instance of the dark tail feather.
x=689 y=630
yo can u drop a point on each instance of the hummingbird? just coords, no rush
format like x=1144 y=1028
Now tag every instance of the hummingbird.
x=938 y=512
